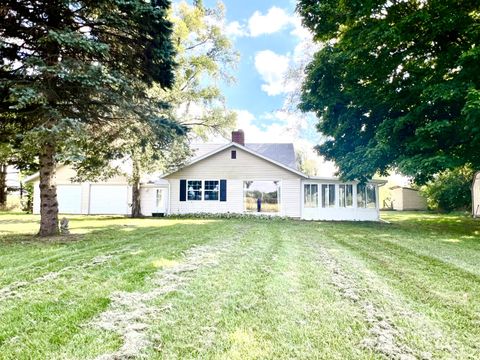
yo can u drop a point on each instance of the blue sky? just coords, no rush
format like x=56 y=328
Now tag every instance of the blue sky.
x=268 y=35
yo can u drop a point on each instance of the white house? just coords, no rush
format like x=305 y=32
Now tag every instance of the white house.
x=237 y=177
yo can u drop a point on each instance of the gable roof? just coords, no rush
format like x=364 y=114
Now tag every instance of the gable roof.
x=283 y=153
x=201 y=152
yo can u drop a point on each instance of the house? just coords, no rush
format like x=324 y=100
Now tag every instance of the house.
x=476 y=195
x=236 y=177
x=404 y=198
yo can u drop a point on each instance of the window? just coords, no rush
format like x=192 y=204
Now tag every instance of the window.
x=328 y=195
x=366 y=196
x=211 y=189
x=345 y=195
x=310 y=195
x=194 y=190
x=233 y=154
x=261 y=196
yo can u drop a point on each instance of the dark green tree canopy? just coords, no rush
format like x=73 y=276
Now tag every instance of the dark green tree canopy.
x=396 y=84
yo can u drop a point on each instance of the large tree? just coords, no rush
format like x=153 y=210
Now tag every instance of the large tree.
x=205 y=56
x=74 y=66
x=396 y=84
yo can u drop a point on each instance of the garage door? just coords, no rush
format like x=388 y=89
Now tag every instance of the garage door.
x=69 y=199
x=109 y=199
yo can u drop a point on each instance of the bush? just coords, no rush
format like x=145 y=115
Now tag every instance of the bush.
x=450 y=190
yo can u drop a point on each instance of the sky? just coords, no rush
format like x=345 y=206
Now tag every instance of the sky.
x=271 y=40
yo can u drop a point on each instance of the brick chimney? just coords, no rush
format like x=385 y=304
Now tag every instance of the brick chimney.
x=238 y=136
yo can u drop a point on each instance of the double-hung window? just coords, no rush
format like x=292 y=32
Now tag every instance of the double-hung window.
x=212 y=189
x=366 y=196
x=328 y=195
x=345 y=195
x=194 y=190
x=310 y=195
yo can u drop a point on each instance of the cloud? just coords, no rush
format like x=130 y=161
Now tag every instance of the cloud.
x=234 y=29
x=272 y=68
x=274 y=20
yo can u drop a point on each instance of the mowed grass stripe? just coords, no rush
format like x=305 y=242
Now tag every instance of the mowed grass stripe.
x=440 y=291
x=48 y=315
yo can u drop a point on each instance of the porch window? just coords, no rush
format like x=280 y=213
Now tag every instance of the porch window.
x=310 y=195
x=328 y=195
x=366 y=196
x=345 y=194
x=194 y=190
x=211 y=190
x=261 y=196
x=159 y=198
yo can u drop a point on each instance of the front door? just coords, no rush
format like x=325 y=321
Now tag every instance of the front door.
x=160 y=200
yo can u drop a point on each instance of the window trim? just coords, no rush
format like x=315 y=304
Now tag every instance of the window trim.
x=318 y=195
x=218 y=191
x=202 y=189
x=322 y=202
x=233 y=154
x=345 y=196
x=279 y=196
x=364 y=195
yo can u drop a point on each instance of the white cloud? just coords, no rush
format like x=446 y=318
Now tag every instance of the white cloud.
x=274 y=20
x=273 y=67
x=234 y=29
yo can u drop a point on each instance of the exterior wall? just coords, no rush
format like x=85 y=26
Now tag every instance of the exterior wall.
x=412 y=200
x=408 y=199
x=245 y=167
x=476 y=196
x=338 y=213
x=148 y=199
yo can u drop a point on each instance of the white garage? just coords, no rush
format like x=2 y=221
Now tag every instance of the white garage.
x=109 y=199
x=69 y=199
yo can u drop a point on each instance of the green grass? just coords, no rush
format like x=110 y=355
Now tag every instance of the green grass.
x=241 y=288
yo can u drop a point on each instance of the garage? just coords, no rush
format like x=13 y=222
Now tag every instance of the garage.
x=109 y=199
x=69 y=199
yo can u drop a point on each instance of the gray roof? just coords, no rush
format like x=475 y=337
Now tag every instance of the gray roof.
x=284 y=153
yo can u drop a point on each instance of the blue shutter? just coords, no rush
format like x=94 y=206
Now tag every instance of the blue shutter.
x=183 y=190
x=223 y=190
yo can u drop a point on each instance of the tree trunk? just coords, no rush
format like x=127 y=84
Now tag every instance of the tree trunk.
x=3 y=185
x=48 y=192
x=136 y=206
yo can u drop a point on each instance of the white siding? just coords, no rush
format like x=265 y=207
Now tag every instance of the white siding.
x=245 y=167
x=476 y=195
x=407 y=199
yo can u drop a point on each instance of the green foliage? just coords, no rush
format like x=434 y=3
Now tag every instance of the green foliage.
x=395 y=84
x=450 y=190
x=72 y=67
x=205 y=56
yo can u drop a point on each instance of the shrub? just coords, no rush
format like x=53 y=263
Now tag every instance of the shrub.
x=450 y=190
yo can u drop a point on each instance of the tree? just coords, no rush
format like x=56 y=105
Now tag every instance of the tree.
x=450 y=190
x=205 y=56
x=72 y=67
x=396 y=84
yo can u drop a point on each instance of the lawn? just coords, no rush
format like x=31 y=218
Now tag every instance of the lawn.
x=241 y=289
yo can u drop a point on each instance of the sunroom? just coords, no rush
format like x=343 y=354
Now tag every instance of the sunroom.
x=324 y=199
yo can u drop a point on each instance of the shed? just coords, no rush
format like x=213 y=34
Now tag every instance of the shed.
x=476 y=195
x=405 y=198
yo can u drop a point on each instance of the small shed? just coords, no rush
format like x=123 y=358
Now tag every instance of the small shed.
x=476 y=195
x=405 y=198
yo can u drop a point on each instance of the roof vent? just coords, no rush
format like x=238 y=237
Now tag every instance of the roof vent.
x=238 y=136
